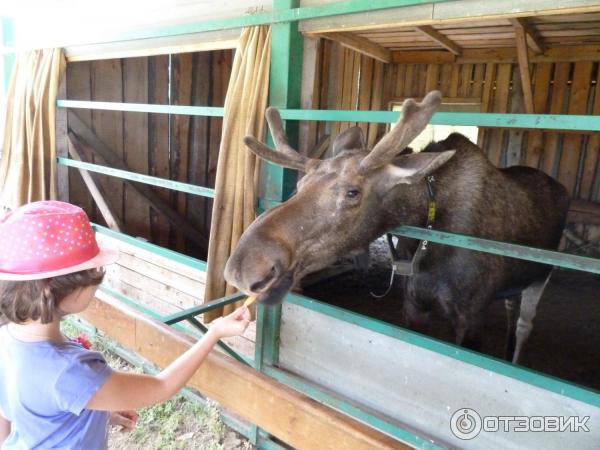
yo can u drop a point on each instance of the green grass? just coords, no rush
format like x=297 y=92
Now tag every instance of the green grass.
x=178 y=424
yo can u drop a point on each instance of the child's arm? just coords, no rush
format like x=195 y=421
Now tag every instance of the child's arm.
x=4 y=429
x=124 y=390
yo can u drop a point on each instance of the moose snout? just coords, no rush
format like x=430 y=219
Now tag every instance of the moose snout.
x=257 y=270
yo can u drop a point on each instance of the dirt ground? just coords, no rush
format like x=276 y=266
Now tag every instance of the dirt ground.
x=565 y=341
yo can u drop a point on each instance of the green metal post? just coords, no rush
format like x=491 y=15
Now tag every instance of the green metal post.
x=284 y=92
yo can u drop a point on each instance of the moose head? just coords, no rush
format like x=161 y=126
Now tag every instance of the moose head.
x=341 y=204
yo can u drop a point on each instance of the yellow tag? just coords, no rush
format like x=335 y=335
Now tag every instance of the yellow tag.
x=431 y=212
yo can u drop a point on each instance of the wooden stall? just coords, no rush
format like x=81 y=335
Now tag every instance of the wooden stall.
x=144 y=97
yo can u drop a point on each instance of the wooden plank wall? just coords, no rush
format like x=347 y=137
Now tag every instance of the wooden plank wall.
x=182 y=148
x=361 y=83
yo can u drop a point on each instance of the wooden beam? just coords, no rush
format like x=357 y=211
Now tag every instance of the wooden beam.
x=533 y=40
x=361 y=45
x=524 y=70
x=498 y=55
x=76 y=152
x=89 y=138
x=291 y=416
x=440 y=38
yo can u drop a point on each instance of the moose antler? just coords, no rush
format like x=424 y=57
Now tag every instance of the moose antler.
x=285 y=155
x=414 y=119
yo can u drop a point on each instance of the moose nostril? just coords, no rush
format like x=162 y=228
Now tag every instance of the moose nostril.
x=259 y=286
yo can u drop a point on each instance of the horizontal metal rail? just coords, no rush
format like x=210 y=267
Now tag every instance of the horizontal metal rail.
x=559 y=259
x=153 y=248
x=210 y=111
x=563 y=122
x=200 y=309
x=132 y=303
x=138 y=177
x=453 y=351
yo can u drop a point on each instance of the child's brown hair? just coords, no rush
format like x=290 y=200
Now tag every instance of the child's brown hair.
x=21 y=301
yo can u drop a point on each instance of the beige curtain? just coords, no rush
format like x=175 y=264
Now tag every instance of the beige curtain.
x=237 y=168
x=28 y=159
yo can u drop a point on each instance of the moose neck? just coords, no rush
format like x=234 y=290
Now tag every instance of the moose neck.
x=408 y=205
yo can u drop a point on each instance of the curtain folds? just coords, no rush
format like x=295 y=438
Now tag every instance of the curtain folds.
x=237 y=168
x=28 y=159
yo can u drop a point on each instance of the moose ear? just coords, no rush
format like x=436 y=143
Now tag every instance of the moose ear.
x=412 y=168
x=349 y=139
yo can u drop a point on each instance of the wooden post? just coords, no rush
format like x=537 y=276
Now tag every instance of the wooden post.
x=93 y=186
x=524 y=70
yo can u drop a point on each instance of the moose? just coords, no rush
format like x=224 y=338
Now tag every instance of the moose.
x=345 y=202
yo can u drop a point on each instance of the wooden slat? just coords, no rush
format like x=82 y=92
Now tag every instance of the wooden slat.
x=365 y=87
x=361 y=45
x=454 y=80
x=533 y=41
x=514 y=147
x=158 y=141
x=181 y=85
x=499 y=55
x=79 y=88
x=432 y=77
x=590 y=163
x=421 y=80
x=197 y=170
x=535 y=141
x=108 y=125
x=486 y=99
x=445 y=79
x=477 y=86
x=500 y=105
x=337 y=81
x=376 y=101
x=440 y=38
x=326 y=61
x=287 y=414
x=524 y=70
x=400 y=81
x=355 y=82
x=578 y=104
x=347 y=84
x=135 y=145
x=408 y=88
x=93 y=186
x=559 y=90
x=464 y=86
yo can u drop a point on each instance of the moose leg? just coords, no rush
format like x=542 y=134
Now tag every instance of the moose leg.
x=529 y=301
x=511 y=305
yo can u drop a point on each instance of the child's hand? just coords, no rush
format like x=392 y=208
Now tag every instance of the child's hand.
x=125 y=419
x=233 y=324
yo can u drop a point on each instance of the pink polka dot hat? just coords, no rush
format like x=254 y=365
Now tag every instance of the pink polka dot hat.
x=46 y=239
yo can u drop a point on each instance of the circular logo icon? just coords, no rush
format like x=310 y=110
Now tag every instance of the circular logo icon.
x=465 y=424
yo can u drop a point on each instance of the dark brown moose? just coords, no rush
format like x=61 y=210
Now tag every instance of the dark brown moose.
x=345 y=202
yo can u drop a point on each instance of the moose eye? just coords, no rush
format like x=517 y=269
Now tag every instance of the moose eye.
x=352 y=193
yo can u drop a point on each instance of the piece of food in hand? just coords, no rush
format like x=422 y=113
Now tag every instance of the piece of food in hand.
x=251 y=299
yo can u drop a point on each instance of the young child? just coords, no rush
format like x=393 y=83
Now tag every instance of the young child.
x=53 y=392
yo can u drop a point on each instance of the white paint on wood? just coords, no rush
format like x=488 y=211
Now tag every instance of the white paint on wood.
x=419 y=387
